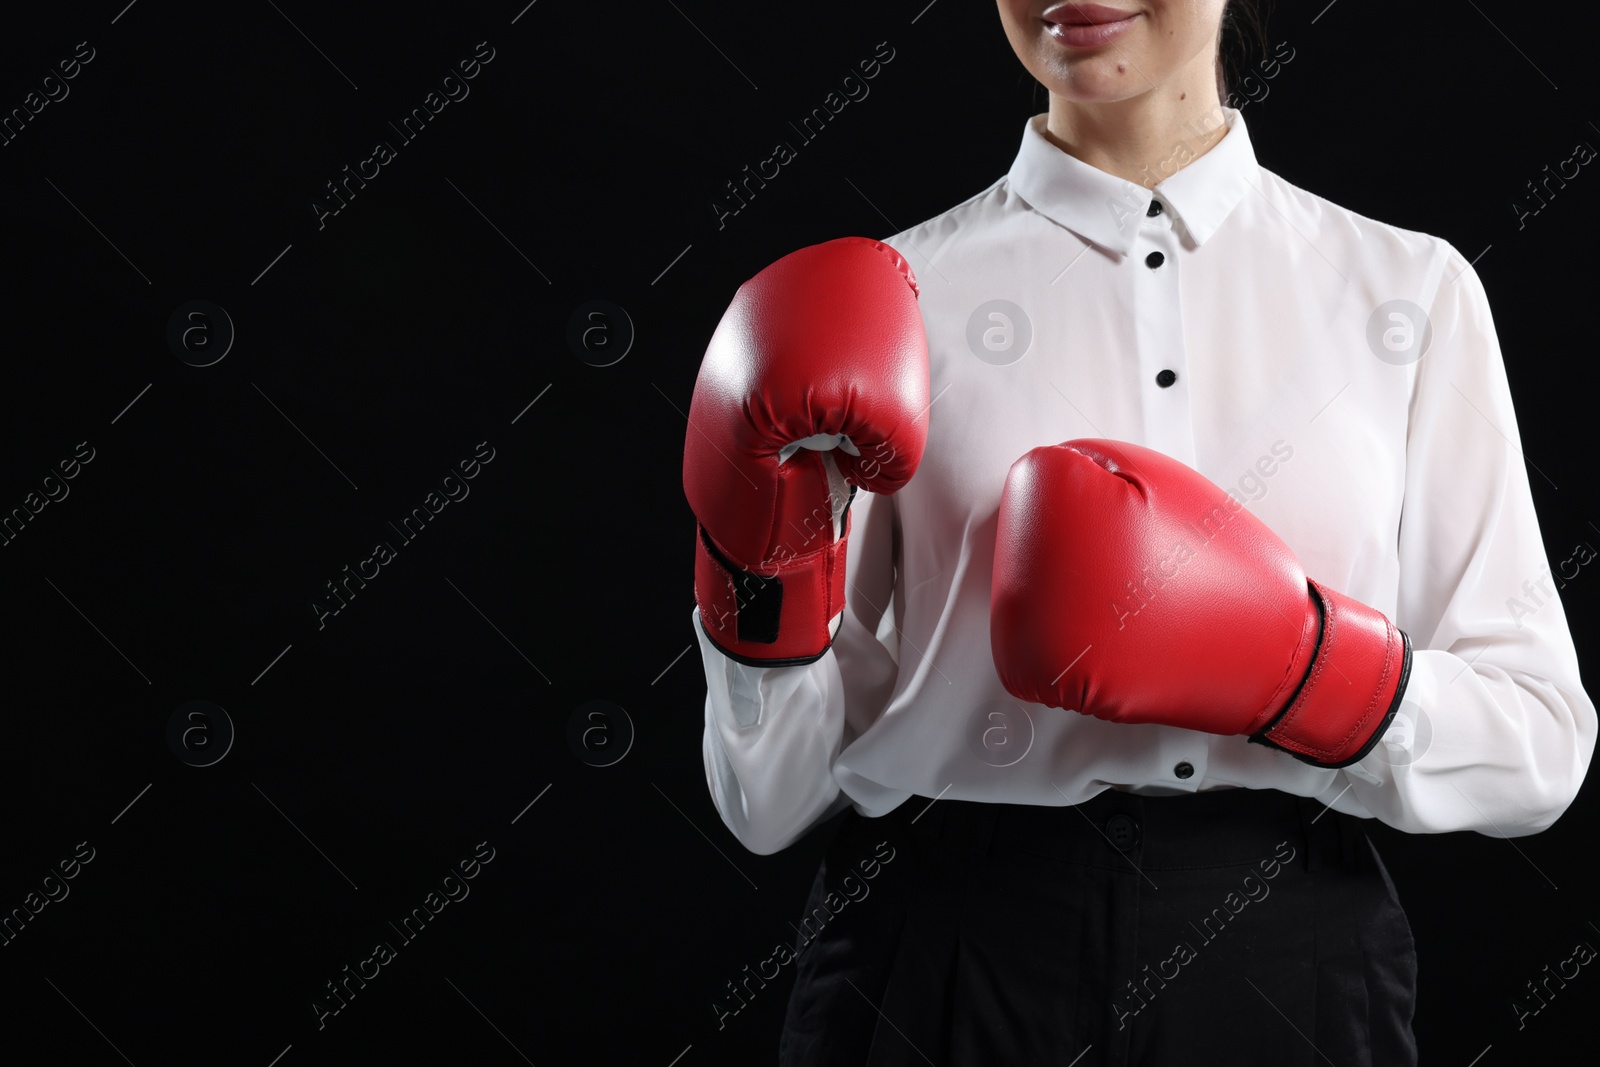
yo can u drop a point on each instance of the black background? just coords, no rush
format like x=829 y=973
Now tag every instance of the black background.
x=374 y=353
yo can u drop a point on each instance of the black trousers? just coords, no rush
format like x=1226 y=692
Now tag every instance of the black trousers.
x=1232 y=927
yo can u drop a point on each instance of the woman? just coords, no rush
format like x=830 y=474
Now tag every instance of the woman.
x=1021 y=883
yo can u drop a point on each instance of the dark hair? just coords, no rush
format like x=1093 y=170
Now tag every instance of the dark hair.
x=1243 y=31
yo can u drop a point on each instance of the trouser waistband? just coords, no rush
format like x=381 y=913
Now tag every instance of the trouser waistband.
x=1217 y=828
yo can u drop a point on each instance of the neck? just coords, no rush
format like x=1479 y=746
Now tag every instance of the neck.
x=1143 y=139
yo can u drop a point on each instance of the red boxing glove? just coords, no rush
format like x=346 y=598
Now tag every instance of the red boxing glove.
x=1130 y=588
x=826 y=341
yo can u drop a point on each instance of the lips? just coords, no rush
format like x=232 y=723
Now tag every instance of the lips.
x=1075 y=14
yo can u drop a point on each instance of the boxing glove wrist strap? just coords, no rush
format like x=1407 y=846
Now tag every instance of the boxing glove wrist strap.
x=778 y=615
x=1351 y=691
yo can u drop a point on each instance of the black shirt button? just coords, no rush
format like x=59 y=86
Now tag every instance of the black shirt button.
x=1154 y=209
x=1123 y=832
x=1184 y=770
x=1165 y=380
x=1154 y=260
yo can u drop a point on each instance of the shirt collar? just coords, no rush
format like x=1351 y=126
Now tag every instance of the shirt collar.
x=1106 y=210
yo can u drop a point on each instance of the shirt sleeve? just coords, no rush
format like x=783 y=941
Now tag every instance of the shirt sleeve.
x=1495 y=732
x=773 y=734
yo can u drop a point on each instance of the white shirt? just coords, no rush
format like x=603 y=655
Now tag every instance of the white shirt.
x=1397 y=480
